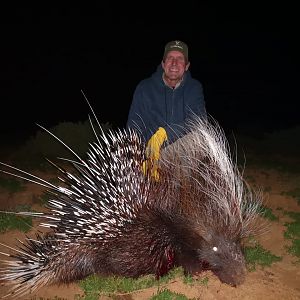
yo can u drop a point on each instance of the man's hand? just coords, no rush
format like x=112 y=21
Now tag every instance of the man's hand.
x=153 y=152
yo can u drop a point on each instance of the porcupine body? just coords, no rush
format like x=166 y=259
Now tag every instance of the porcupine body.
x=110 y=218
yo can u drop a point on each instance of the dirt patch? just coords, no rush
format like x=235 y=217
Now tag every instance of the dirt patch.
x=280 y=281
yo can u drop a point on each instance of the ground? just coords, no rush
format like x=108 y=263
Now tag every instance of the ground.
x=279 y=281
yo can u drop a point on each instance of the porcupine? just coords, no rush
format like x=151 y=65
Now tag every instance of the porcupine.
x=110 y=218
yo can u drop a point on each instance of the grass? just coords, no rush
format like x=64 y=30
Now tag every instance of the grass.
x=293 y=233
x=267 y=213
x=295 y=193
x=189 y=280
x=93 y=285
x=43 y=199
x=204 y=281
x=12 y=185
x=257 y=255
x=76 y=297
x=166 y=294
x=10 y=221
x=53 y=298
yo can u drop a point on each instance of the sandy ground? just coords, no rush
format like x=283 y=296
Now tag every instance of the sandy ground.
x=280 y=281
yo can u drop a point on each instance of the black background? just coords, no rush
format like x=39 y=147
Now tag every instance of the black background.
x=244 y=56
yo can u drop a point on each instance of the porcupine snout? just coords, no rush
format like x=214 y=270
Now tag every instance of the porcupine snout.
x=225 y=259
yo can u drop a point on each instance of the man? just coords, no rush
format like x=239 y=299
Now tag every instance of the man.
x=164 y=102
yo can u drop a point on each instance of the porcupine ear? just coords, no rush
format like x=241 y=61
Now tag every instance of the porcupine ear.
x=207 y=235
x=203 y=231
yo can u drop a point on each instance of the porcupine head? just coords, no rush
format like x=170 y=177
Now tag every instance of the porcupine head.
x=204 y=248
x=215 y=244
x=224 y=257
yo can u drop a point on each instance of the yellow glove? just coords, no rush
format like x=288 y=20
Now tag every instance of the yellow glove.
x=155 y=142
x=153 y=152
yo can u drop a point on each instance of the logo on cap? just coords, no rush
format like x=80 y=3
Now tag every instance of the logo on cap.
x=177 y=45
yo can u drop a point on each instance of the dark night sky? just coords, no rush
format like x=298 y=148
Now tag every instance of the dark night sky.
x=242 y=56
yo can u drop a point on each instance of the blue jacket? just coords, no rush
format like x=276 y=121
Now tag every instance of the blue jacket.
x=156 y=105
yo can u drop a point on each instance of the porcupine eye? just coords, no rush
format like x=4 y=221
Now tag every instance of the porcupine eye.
x=215 y=249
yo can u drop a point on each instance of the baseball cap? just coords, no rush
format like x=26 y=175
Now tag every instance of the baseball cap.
x=177 y=46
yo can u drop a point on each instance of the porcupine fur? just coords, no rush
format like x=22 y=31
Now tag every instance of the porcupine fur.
x=110 y=218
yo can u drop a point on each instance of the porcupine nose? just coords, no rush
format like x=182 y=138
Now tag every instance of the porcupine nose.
x=233 y=277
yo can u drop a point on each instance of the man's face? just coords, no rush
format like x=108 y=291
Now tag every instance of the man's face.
x=175 y=65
